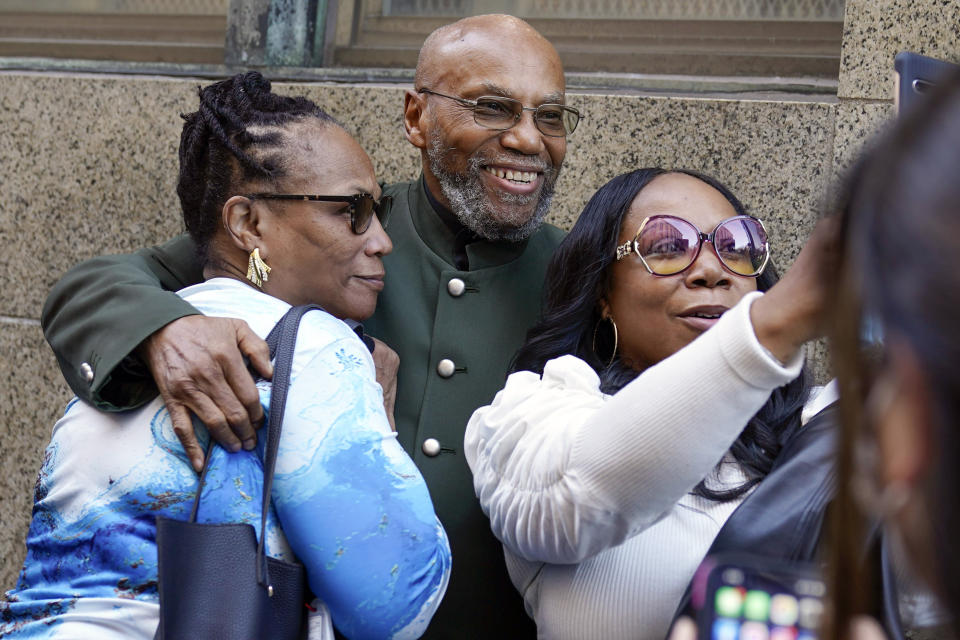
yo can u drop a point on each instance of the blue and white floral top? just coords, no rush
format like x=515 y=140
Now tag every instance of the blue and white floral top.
x=347 y=500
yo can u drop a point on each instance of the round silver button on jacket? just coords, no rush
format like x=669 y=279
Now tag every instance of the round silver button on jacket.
x=446 y=368
x=86 y=371
x=456 y=287
x=431 y=447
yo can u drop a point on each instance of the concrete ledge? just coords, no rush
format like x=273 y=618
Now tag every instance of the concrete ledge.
x=665 y=84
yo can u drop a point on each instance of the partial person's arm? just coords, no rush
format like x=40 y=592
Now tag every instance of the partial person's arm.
x=102 y=309
x=352 y=504
x=564 y=473
x=121 y=334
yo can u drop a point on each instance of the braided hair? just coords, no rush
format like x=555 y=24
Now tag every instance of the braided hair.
x=233 y=137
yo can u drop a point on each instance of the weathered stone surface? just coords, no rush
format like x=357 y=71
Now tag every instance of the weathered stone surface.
x=875 y=31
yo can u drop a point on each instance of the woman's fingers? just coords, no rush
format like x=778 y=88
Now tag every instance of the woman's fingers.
x=683 y=629
x=795 y=310
x=866 y=628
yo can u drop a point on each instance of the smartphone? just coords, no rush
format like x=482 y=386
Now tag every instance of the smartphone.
x=751 y=598
x=915 y=76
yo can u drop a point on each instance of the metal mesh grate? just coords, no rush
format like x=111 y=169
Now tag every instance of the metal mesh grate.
x=174 y=7
x=452 y=8
x=121 y=7
x=808 y=10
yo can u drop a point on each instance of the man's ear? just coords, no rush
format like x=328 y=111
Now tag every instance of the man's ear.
x=414 y=118
x=242 y=223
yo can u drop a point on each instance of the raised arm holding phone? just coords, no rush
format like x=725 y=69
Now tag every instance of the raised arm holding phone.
x=658 y=411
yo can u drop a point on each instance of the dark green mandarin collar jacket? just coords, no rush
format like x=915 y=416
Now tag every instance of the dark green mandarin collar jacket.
x=102 y=309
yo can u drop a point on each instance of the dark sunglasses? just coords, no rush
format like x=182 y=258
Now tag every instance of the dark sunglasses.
x=668 y=245
x=362 y=206
x=501 y=113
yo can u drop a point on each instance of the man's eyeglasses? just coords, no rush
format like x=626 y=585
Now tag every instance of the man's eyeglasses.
x=500 y=113
x=668 y=245
x=362 y=206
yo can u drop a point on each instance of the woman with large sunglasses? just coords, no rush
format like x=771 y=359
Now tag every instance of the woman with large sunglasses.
x=280 y=201
x=656 y=409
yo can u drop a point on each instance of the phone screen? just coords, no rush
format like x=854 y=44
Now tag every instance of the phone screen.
x=770 y=603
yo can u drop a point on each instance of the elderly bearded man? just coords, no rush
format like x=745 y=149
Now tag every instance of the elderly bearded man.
x=463 y=285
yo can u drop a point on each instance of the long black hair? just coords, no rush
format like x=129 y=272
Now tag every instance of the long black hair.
x=218 y=149
x=578 y=279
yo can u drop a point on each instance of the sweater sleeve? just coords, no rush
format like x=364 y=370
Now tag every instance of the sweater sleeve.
x=352 y=504
x=98 y=313
x=564 y=472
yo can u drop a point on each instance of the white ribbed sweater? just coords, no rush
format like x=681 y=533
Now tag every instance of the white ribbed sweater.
x=590 y=493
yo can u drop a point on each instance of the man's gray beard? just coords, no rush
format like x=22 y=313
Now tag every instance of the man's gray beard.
x=470 y=203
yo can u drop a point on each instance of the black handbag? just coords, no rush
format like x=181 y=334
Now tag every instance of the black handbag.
x=215 y=580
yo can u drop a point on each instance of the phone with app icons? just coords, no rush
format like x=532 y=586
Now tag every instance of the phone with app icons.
x=749 y=598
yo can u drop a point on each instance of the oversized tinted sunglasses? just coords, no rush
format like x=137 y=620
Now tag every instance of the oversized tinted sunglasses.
x=501 y=113
x=668 y=245
x=362 y=206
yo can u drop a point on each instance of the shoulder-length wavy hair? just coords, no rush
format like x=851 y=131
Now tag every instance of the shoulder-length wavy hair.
x=578 y=279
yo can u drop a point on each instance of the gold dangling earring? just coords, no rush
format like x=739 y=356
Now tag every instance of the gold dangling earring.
x=613 y=355
x=257 y=269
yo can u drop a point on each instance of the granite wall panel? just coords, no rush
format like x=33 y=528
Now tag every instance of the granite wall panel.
x=874 y=31
x=89 y=163
x=771 y=154
x=858 y=124
x=88 y=166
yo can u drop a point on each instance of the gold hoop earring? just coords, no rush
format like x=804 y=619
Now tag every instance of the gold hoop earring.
x=596 y=327
x=257 y=269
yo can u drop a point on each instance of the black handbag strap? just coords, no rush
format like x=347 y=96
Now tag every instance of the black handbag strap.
x=282 y=345
x=282 y=340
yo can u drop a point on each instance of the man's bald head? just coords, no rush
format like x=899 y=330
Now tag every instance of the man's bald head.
x=453 y=44
x=498 y=181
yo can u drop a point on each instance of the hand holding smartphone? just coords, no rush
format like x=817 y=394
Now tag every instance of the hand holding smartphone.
x=749 y=598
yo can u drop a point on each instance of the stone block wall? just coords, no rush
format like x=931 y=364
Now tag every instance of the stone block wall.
x=88 y=166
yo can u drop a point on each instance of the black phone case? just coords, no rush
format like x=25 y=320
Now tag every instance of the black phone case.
x=917 y=76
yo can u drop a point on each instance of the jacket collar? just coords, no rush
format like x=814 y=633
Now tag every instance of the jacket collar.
x=441 y=236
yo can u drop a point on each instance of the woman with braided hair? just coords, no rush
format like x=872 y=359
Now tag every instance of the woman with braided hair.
x=281 y=204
